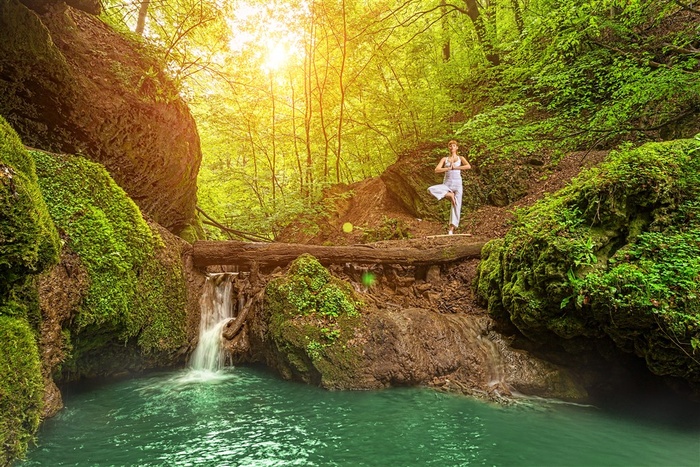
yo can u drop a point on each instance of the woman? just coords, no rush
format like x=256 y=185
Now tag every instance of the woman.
x=451 y=187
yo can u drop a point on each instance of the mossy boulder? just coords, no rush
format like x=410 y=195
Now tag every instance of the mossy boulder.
x=28 y=239
x=29 y=244
x=311 y=316
x=615 y=254
x=21 y=386
x=135 y=304
x=70 y=83
x=130 y=307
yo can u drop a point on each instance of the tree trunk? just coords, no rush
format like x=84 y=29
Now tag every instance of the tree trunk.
x=143 y=12
x=209 y=253
x=478 y=21
x=308 y=104
x=518 y=15
x=341 y=87
x=446 y=31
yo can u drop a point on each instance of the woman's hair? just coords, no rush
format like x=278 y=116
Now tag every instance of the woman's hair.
x=450 y=143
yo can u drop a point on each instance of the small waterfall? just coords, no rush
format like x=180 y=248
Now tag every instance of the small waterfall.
x=218 y=307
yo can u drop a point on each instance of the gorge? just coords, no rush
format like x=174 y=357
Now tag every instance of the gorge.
x=560 y=326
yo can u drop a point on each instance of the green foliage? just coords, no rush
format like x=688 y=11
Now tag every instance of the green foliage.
x=333 y=301
x=313 y=274
x=615 y=253
x=21 y=386
x=131 y=293
x=306 y=96
x=583 y=75
x=29 y=241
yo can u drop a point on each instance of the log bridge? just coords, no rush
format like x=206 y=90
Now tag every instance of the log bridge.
x=247 y=254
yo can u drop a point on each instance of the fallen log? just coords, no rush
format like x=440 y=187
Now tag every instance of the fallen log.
x=225 y=253
x=232 y=328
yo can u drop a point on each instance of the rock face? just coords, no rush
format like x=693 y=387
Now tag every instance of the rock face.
x=88 y=288
x=69 y=83
x=313 y=328
x=416 y=346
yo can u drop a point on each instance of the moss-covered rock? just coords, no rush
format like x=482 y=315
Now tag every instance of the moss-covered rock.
x=21 y=387
x=70 y=83
x=28 y=239
x=311 y=316
x=29 y=244
x=616 y=253
x=136 y=293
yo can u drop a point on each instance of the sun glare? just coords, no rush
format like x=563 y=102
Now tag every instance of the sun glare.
x=277 y=56
x=271 y=32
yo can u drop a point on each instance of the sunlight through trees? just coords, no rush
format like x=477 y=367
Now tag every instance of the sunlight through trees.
x=294 y=96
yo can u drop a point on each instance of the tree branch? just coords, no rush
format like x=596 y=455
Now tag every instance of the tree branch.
x=246 y=235
x=687 y=7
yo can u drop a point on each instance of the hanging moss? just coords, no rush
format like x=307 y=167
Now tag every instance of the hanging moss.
x=135 y=291
x=312 y=316
x=615 y=253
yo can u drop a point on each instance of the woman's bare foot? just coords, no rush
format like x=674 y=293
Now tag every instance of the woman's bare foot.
x=451 y=197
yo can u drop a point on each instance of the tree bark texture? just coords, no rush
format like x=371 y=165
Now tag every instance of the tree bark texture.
x=209 y=253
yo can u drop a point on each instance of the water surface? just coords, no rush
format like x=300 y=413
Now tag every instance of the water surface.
x=249 y=417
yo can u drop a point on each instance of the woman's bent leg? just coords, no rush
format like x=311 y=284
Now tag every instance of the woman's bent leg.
x=439 y=191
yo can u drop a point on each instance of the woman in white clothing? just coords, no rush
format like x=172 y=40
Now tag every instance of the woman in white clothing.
x=451 y=187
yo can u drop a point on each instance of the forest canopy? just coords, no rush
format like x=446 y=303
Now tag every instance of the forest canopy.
x=291 y=97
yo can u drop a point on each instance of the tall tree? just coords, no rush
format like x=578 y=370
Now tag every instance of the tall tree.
x=143 y=13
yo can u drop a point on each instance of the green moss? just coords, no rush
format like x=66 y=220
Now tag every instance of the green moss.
x=135 y=290
x=21 y=387
x=616 y=253
x=334 y=301
x=159 y=305
x=24 y=35
x=28 y=239
x=29 y=244
x=310 y=272
x=312 y=316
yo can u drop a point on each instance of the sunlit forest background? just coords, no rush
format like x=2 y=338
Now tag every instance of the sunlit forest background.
x=291 y=97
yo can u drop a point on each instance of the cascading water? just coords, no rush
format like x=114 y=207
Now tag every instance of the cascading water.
x=218 y=308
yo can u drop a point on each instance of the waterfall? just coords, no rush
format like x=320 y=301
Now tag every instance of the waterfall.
x=218 y=308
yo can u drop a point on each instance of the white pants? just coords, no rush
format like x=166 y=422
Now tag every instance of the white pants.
x=439 y=191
